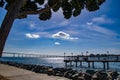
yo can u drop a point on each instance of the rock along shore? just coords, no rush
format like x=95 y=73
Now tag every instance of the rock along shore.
x=67 y=73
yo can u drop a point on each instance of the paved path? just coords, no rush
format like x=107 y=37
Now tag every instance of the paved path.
x=14 y=73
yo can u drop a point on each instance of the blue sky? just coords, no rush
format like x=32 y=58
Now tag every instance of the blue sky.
x=95 y=32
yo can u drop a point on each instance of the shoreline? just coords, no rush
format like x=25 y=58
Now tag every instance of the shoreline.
x=67 y=72
x=13 y=73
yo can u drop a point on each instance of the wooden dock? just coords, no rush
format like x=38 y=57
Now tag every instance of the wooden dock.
x=91 y=59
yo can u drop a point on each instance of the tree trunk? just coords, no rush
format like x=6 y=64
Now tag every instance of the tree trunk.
x=8 y=22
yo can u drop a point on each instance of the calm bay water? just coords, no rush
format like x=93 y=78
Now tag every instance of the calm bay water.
x=56 y=62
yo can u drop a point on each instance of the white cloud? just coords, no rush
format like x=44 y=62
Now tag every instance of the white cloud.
x=57 y=43
x=89 y=23
x=102 y=19
x=63 y=35
x=94 y=27
x=64 y=23
x=97 y=28
x=32 y=24
x=34 y=36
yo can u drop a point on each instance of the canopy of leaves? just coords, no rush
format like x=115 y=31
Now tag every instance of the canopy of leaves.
x=45 y=7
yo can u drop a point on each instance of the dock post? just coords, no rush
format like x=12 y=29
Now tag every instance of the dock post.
x=107 y=65
x=76 y=63
x=103 y=65
x=93 y=65
x=71 y=63
x=81 y=64
x=117 y=58
x=65 y=64
x=88 y=64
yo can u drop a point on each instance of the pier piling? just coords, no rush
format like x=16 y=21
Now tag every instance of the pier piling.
x=81 y=64
x=93 y=65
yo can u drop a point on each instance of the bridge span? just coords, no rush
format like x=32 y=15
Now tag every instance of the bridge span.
x=10 y=54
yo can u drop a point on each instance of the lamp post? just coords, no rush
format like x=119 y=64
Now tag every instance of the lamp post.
x=108 y=54
x=81 y=53
x=72 y=55
x=86 y=53
x=64 y=55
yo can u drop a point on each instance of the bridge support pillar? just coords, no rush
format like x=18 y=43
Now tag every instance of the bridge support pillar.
x=18 y=55
x=22 y=55
x=13 y=54
x=29 y=56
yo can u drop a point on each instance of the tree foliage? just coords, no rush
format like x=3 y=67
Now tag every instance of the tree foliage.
x=45 y=8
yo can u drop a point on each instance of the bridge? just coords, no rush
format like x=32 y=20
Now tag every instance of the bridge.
x=11 y=54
